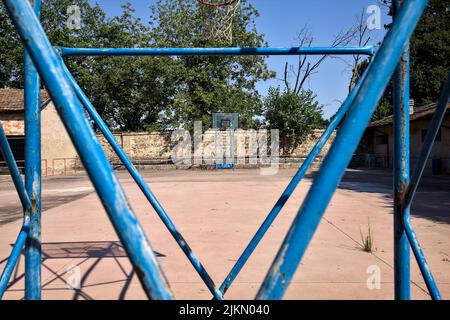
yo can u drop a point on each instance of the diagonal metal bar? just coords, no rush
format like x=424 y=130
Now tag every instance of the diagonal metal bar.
x=14 y=170
x=433 y=129
x=335 y=121
x=26 y=203
x=94 y=160
x=308 y=218
x=144 y=187
x=14 y=256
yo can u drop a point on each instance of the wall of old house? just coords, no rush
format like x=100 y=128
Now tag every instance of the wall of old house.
x=58 y=153
x=441 y=149
x=13 y=123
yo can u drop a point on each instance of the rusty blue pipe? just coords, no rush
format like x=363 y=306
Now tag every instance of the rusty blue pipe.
x=402 y=277
x=65 y=52
x=32 y=117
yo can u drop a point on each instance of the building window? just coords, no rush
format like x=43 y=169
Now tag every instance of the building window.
x=424 y=134
x=381 y=139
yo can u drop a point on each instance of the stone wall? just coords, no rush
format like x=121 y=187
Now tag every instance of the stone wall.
x=146 y=148
x=58 y=153
x=141 y=146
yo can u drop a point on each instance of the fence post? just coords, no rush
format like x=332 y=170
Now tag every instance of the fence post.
x=32 y=100
x=401 y=171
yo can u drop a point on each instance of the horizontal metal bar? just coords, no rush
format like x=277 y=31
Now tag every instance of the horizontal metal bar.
x=8 y=155
x=65 y=52
x=14 y=256
x=89 y=149
x=433 y=129
x=337 y=118
x=144 y=188
x=326 y=181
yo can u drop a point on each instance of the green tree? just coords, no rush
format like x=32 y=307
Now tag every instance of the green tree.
x=150 y=93
x=209 y=84
x=53 y=18
x=430 y=52
x=430 y=57
x=294 y=114
x=129 y=93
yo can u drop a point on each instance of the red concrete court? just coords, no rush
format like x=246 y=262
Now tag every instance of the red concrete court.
x=218 y=212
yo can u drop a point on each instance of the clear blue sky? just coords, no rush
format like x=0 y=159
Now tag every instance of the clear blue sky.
x=280 y=21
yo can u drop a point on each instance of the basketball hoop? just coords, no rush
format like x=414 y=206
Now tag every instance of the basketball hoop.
x=218 y=3
x=218 y=18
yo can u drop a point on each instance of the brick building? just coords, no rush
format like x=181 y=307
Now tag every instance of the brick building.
x=58 y=153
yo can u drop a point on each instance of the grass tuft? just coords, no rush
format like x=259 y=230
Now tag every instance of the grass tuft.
x=367 y=240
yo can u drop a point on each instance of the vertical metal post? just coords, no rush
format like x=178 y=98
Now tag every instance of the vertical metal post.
x=401 y=172
x=32 y=101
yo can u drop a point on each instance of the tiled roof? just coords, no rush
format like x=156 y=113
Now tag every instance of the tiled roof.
x=419 y=113
x=11 y=100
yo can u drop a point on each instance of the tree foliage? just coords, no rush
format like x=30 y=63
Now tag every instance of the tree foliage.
x=294 y=114
x=430 y=52
x=210 y=84
x=429 y=57
x=150 y=93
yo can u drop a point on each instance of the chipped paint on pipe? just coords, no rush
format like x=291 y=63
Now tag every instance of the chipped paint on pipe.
x=92 y=156
x=144 y=187
x=308 y=217
x=401 y=107
x=32 y=115
x=335 y=121
x=65 y=52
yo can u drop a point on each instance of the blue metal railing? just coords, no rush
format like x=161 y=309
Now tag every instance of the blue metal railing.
x=65 y=52
x=354 y=114
x=32 y=115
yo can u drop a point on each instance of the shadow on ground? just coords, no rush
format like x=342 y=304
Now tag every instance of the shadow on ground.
x=432 y=200
x=84 y=251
